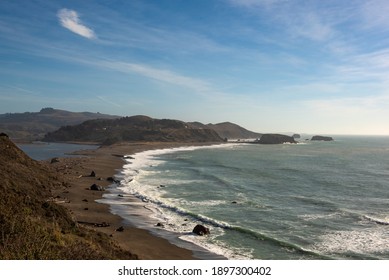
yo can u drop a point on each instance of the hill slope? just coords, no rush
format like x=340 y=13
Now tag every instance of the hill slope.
x=229 y=130
x=34 y=227
x=33 y=126
x=135 y=128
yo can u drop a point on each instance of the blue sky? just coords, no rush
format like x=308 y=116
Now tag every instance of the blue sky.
x=268 y=65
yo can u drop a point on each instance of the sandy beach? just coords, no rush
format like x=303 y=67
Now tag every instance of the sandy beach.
x=81 y=201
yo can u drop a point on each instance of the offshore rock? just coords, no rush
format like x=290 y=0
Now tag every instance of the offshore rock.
x=276 y=139
x=321 y=138
x=201 y=230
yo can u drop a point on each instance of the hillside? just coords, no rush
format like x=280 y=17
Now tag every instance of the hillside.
x=135 y=128
x=33 y=126
x=32 y=225
x=232 y=131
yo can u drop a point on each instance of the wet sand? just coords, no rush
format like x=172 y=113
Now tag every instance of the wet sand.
x=81 y=201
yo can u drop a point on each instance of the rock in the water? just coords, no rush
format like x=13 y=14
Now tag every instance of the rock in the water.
x=321 y=138
x=96 y=187
x=275 y=139
x=201 y=230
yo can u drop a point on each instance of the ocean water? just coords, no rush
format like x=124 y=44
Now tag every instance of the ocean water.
x=45 y=150
x=313 y=200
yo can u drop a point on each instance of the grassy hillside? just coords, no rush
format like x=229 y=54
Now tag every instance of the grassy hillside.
x=229 y=130
x=135 y=128
x=34 y=227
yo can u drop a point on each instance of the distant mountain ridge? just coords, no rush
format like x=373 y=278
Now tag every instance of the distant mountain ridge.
x=34 y=126
x=135 y=128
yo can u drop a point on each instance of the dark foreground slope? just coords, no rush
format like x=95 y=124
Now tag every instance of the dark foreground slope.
x=35 y=227
x=135 y=128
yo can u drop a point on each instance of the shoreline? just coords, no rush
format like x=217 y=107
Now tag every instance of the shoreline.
x=88 y=210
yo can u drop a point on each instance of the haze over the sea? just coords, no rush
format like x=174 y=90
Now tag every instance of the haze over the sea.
x=267 y=65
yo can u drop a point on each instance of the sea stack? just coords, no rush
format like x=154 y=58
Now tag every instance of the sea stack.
x=321 y=138
x=276 y=139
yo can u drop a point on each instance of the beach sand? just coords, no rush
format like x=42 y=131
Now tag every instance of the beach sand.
x=81 y=201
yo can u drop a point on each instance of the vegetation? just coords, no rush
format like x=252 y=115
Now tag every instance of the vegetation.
x=33 y=227
x=136 y=128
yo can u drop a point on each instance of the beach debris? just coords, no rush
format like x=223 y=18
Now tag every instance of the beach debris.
x=159 y=225
x=201 y=230
x=86 y=208
x=120 y=229
x=162 y=186
x=85 y=200
x=96 y=187
x=92 y=174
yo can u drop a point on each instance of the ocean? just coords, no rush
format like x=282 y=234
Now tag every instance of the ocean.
x=45 y=150
x=312 y=200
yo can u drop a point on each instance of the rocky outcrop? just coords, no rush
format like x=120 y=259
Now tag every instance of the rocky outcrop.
x=201 y=230
x=321 y=138
x=296 y=135
x=275 y=139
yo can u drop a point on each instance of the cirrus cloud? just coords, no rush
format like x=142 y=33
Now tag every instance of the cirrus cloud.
x=70 y=20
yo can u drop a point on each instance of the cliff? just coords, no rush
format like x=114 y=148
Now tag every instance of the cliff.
x=33 y=226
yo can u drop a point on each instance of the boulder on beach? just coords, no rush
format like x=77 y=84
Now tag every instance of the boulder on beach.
x=201 y=230
x=96 y=187
x=321 y=138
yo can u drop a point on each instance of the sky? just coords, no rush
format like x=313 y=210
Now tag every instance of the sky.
x=267 y=65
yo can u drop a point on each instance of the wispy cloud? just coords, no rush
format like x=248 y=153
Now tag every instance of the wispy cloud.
x=109 y=101
x=70 y=20
x=162 y=75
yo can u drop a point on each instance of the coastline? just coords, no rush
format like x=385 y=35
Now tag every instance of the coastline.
x=86 y=209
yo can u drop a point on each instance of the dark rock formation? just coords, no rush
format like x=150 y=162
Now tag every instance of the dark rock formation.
x=96 y=187
x=275 y=139
x=321 y=138
x=54 y=160
x=201 y=230
x=296 y=136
